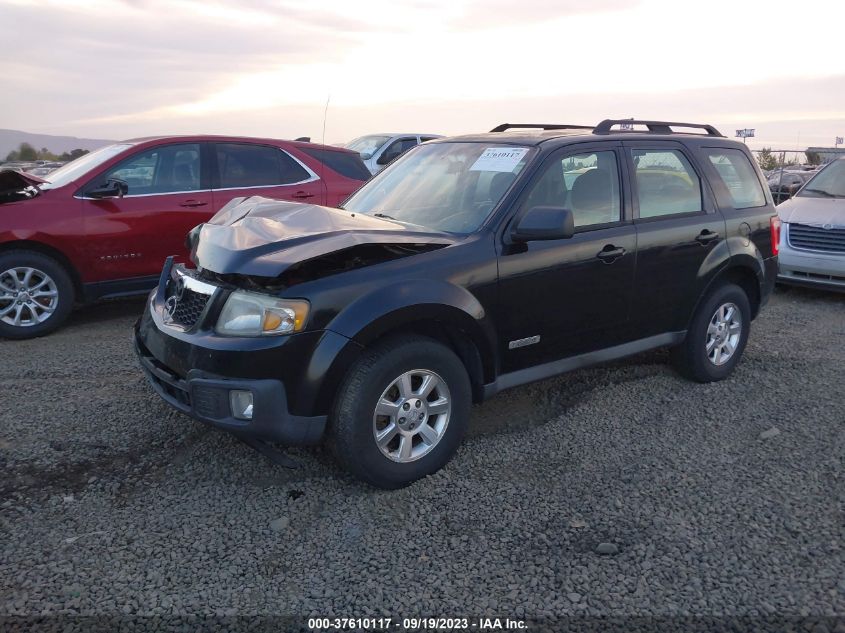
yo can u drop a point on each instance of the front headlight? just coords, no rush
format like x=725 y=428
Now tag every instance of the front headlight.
x=254 y=314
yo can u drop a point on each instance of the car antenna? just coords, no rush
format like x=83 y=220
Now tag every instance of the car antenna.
x=323 y=141
x=325 y=115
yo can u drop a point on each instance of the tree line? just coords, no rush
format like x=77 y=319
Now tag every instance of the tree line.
x=27 y=152
x=769 y=161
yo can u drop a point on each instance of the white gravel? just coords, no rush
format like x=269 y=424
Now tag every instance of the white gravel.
x=621 y=490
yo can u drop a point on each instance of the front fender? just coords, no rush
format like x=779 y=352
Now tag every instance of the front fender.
x=390 y=308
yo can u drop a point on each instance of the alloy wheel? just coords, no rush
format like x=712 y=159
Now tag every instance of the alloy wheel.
x=723 y=333
x=28 y=296
x=412 y=415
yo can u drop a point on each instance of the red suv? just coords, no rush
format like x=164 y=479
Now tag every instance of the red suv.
x=102 y=225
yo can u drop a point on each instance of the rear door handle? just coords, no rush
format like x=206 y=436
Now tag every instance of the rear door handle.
x=610 y=253
x=706 y=236
x=193 y=203
x=302 y=195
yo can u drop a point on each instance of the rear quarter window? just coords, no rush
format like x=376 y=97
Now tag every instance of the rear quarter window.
x=736 y=171
x=346 y=164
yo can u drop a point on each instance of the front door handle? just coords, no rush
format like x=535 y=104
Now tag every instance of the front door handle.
x=302 y=195
x=193 y=203
x=706 y=236
x=610 y=253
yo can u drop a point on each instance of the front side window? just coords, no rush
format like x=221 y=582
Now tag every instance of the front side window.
x=242 y=165
x=587 y=184
x=165 y=169
x=828 y=183
x=739 y=177
x=443 y=186
x=666 y=183
x=82 y=165
x=400 y=146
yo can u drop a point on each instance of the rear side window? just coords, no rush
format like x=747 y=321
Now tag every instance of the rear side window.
x=666 y=183
x=739 y=177
x=242 y=165
x=346 y=164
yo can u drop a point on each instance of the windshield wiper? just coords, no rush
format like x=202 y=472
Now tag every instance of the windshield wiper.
x=384 y=215
x=823 y=192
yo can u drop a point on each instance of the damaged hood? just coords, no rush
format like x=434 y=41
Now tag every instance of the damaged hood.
x=810 y=210
x=12 y=183
x=263 y=237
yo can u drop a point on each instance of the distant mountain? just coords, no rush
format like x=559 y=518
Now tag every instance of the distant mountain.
x=10 y=139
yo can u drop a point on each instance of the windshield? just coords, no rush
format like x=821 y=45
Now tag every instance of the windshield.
x=82 y=165
x=367 y=145
x=442 y=186
x=828 y=183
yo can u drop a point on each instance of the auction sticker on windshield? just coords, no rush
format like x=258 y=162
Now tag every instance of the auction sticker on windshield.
x=499 y=159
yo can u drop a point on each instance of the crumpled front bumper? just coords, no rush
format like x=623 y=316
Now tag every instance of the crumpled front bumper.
x=205 y=397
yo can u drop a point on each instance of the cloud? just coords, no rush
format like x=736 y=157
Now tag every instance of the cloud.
x=129 y=67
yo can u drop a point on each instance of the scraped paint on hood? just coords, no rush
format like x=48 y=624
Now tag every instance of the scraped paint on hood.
x=263 y=237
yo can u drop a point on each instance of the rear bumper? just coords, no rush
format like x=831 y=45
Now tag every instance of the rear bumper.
x=205 y=397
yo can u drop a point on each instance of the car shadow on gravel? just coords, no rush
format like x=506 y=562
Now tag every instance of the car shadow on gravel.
x=107 y=310
x=536 y=404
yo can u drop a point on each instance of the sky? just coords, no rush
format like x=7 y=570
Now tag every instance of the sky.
x=127 y=68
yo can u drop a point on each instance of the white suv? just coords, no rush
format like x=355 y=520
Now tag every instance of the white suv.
x=377 y=150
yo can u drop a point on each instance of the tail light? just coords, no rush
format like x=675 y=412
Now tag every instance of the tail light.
x=774 y=225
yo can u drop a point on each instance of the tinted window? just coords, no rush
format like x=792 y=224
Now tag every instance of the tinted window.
x=243 y=165
x=666 y=183
x=739 y=177
x=400 y=146
x=587 y=184
x=166 y=169
x=349 y=165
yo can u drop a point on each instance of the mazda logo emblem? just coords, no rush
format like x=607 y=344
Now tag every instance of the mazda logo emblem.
x=173 y=300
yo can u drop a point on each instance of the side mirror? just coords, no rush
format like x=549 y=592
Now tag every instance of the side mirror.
x=366 y=155
x=112 y=188
x=387 y=157
x=544 y=223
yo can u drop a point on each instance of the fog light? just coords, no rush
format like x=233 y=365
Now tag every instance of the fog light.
x=241 y=402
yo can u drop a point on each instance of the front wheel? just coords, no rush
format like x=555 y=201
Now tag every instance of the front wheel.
x=36 y=294
x=401 y=412
x=716 y=337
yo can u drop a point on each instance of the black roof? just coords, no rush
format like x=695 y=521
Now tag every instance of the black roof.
x=532 y=134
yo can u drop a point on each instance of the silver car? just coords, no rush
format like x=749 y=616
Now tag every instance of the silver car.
x=379 y=149
x=812 y=237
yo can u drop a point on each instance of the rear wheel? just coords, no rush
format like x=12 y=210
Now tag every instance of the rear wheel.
x=716 y=337
x=36 y=294
x=402 y=412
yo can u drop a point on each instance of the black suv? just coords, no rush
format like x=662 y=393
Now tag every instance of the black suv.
x=469 y=265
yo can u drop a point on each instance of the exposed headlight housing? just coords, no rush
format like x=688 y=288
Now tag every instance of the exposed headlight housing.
x=255 y=314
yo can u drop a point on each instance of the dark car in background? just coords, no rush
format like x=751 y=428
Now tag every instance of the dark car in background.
x=468 y=266
x=786 y=184
x=102 y=225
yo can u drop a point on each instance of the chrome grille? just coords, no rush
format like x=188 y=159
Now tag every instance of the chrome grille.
x=817 y=238
x=185 y=300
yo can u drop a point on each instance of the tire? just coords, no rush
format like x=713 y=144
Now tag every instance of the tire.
x=22 y=316
x=703 y=355
x=435 y=433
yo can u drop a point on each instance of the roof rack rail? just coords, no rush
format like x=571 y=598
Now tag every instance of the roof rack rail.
x=540 y=126
x=657 y=127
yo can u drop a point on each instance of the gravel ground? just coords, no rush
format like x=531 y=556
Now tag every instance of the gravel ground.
x=714 y=500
